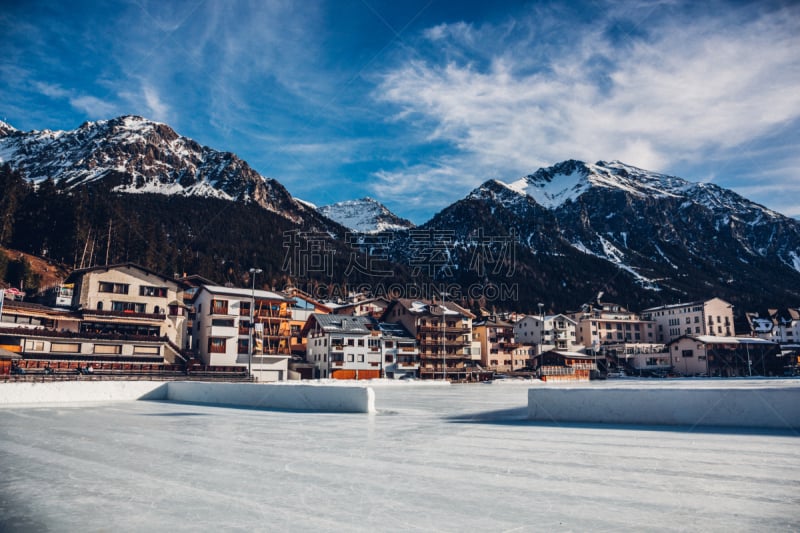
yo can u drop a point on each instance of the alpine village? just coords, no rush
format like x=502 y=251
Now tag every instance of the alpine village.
x=130 y=252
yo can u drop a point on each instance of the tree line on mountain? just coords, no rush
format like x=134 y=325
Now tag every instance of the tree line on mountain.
x=218 y=239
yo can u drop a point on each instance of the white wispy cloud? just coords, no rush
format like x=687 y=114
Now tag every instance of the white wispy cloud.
x=95 y=108
x=158 y=109
x=696 y=85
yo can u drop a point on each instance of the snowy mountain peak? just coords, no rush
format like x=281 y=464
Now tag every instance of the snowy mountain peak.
x=6 y=129
x=135 y=155
x=364 y=216
x=553 y=186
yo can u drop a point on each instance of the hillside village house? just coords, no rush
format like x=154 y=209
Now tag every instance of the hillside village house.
x=444 y=335
x=222 y=332
x=358 y=347
x=703 y=317
x=499 y=349
x=549 y=332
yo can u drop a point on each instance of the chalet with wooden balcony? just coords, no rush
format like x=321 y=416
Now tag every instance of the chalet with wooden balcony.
x=444 y=334
x=499 y=348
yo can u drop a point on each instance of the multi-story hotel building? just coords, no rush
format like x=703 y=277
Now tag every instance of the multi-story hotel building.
x=705 y=317
x=444 y=334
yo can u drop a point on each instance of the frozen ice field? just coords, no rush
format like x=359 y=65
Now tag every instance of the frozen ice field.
x=458 y=458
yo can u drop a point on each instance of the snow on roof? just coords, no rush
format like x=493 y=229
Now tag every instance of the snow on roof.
x=762 y=325
x=712 y=339
x=245 y=293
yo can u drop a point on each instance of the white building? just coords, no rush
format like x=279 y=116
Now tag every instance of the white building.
x=359 y=347
x=776 y=325
x=705 y=317
x=222 y=332
x=545 y=333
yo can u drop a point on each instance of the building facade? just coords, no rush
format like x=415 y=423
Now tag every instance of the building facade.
x=608 y=323
x=444 y=335
x=499 y=348
x=550 y=332
x=128 y=299
x=703 y=317
x=222 y=332
x=358 y=347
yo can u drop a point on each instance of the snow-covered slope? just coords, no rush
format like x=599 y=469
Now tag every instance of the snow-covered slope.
x=136 y=155
x=364 y=216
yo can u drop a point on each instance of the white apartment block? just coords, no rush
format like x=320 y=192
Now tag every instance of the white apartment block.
x=358 y=347
x=222 y=332
x=709 y=317
x=550 y=332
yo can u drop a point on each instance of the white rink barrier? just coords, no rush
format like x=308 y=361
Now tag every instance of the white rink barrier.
x=336 y=399
x=58 y=392
x=340 y=399
x=776 y=407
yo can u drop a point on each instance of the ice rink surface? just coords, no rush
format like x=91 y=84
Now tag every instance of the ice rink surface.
x=458 y=458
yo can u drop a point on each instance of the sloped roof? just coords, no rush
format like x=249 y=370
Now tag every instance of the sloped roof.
x=245 y=293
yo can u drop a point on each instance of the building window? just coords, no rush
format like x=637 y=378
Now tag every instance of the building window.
x=222 y=322
x=217 y=345
x=157 y=292
x=361 y=342
x=128 y=307
x=65 y=347
x=106 y=349
x=243 y=346
x=687 y=353
x=219 y=307
x=116 y=288
x=147 y=350
x=349 y=358
x=360 y=358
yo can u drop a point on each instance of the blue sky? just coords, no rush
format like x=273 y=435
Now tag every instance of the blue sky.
x=417 y=102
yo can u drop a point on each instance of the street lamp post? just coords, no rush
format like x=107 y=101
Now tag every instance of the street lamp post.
x=444 y=343
x=253 y=272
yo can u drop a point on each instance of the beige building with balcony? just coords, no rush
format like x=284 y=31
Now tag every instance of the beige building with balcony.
x=607 y=323
x=127 y=299
x=499 y=349
x=704 y=317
